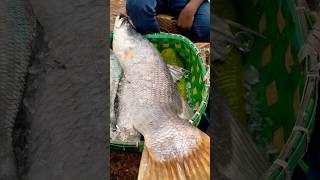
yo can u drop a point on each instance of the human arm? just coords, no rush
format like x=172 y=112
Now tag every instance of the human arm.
x=186 y=16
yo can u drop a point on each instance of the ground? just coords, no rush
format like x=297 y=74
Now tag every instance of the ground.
x=124 y=165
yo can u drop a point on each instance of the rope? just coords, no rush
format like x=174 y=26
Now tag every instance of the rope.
x=305 y=131
x=285 y=167
x=315 y=72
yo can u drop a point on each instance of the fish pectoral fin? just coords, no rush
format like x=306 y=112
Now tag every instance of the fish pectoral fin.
x=177 y=72
x=186 y=111
x=193 y=165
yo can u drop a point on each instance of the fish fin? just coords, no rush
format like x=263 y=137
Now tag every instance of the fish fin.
x=186 y=111
x=177 y=72
x=192 y=165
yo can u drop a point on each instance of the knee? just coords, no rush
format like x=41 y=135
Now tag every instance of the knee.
x=140 y=7
x=202 y=23
x=202 y=31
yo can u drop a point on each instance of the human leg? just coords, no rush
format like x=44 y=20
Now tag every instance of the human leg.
x=200 y=30
x=143 y=15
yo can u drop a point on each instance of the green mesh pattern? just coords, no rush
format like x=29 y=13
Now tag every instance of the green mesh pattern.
x=281 y=76
x=284 y=95
x=282 y=79
x=199 y=90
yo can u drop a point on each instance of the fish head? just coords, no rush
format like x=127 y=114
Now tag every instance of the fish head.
x=123 y=22
x=130 y=47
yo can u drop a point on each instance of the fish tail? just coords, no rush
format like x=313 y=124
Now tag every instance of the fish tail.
x=192 y=165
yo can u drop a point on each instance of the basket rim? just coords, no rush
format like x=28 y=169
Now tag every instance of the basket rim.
x=296 y=145
x=200 y=111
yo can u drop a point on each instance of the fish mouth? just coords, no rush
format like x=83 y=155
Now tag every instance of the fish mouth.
x=122 y=19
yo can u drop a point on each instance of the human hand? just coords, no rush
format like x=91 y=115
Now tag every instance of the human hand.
x=186 y=16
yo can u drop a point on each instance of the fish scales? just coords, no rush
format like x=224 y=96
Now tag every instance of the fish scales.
x=18 y=30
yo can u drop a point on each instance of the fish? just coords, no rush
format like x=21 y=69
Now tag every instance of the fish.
x=115 y=76
x=19 y=34
x=120 y=137
x=150 y=104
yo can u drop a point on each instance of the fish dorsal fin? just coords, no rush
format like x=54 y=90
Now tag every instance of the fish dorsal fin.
x=177 y=72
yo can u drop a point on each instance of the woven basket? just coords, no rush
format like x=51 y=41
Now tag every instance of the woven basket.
x=285 y=93
x=198 y=77
x=167 y=24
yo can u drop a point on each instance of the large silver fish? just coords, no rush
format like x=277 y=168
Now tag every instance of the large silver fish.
x=115 y=76
x=121 y=136
x=150 y=104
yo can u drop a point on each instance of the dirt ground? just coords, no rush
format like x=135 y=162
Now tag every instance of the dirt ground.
x=124 y=166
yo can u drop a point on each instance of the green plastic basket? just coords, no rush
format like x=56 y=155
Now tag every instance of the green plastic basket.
x=286 y=93
x=198 y=77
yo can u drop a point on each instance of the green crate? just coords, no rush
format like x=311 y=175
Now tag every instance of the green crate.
x=198 y=77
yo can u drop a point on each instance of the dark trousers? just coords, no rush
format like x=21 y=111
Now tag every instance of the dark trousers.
x=143 y=14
